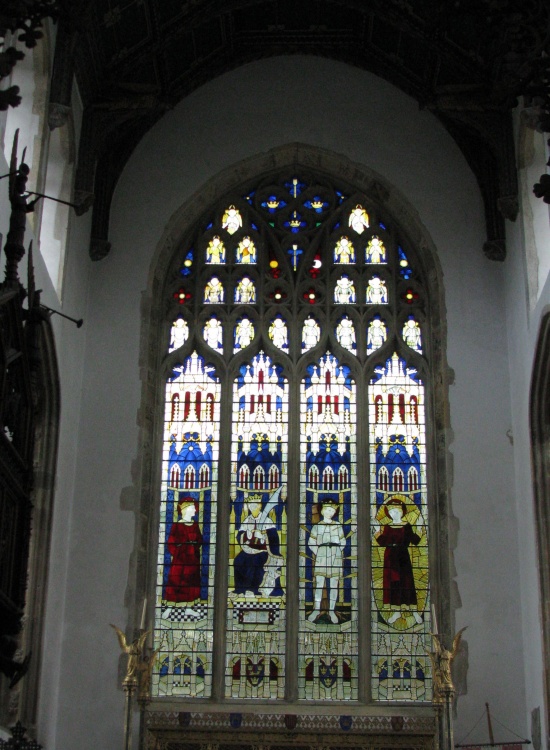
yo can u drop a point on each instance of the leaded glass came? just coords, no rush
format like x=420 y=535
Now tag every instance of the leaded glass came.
x=296 y=374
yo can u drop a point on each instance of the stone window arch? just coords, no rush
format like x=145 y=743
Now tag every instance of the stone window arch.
x=345 y=365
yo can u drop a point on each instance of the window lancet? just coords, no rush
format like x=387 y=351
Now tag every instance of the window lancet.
x=318 y=360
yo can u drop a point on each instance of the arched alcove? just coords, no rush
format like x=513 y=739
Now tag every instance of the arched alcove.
x=156 y=318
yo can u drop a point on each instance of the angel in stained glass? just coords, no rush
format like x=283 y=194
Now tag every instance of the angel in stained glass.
x=278 y=333
x=246 y=251
x=344 y=251
x=245 y=291
x=179 y=334
x=257 y=566
x=377 y=294
x=345 y=333
x=311 y=333
x=359 y=219
x=213 y=291
x=215 y=252
x=396 y=534
x=327 y=542
x=376 y=334
x=376 y=252
x=411 y=334
x=232 y=219
x=244 y=333
x=344 y=291
x=213 y=332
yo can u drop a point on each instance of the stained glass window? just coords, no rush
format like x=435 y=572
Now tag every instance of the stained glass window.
x=186 y=555
x=328 y=651
x=257 y=533
x=400 y=583
x=280 y=364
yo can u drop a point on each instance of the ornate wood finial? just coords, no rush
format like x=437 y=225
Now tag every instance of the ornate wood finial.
x=14 y=248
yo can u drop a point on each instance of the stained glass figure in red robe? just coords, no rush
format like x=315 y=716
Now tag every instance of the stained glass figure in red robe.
x=398 y=585
x=184 y=544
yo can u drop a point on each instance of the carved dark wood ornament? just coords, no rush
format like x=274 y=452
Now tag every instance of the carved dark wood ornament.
x=23 y=18
x=22 y=321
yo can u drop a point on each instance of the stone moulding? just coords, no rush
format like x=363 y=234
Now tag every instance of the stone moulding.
x=169 y=730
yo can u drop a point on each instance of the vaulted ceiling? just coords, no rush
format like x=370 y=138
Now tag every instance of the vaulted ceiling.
x=465 y=60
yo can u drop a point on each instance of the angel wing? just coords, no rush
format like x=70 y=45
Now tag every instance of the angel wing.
x=142 y=639
x=436 y=644
x=456 y=642
x=121 y=638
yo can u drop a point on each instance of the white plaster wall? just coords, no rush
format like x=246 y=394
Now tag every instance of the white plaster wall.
x=527 y=238
x=70 y=348
x=243 y=113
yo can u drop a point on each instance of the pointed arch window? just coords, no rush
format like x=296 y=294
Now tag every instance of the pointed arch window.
x=313 y=361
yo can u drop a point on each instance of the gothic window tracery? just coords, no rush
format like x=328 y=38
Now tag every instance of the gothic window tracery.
x=314 y=371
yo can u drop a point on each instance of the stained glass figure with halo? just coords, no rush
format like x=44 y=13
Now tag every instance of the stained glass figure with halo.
x=344 y=252
x=244 y=334
x=278 y=333
x=375 y=251
x=311 y=333
x=344 y=291
x=345 y=334
x=376 y=334
x=179 y=333
x=213 y=291
x=215 y=251
x=213 y=334
x=245 y=291
x=246 y=251
x=412 y=335
x=400 y=618
x=232 y=219
x=359 y=219
x=377 y=293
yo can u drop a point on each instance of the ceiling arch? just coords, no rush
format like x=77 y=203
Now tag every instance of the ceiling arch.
x=136 y=59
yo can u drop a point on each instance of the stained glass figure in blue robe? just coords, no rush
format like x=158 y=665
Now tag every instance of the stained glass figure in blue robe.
x=257 y=566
